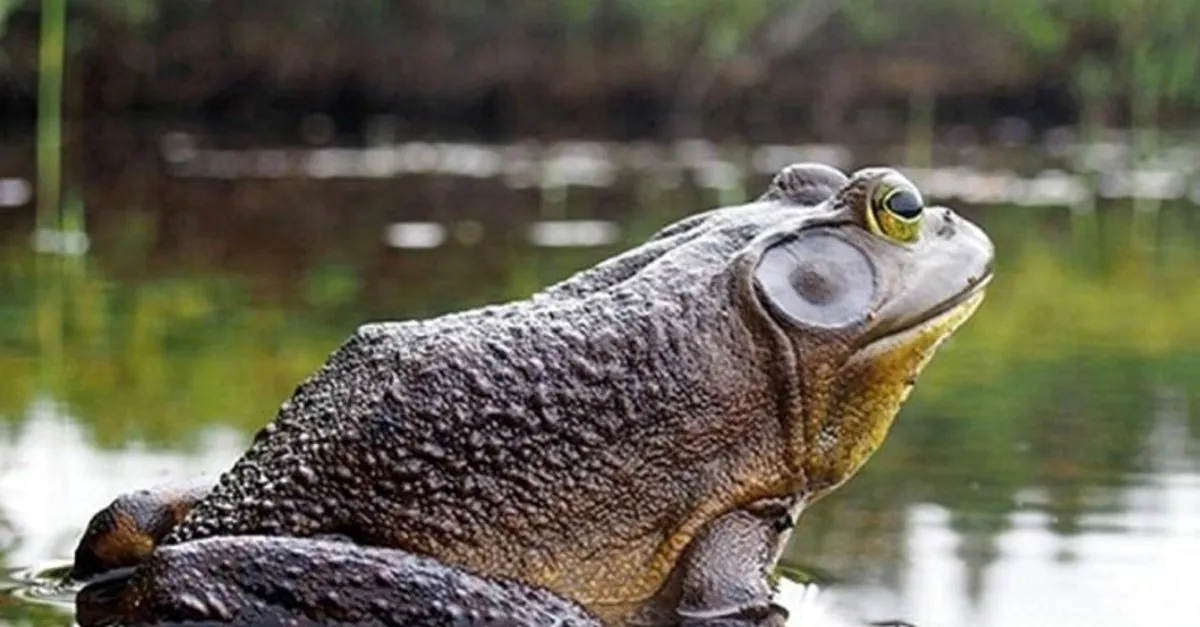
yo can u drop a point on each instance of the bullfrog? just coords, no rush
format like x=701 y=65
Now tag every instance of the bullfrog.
x=629 y=446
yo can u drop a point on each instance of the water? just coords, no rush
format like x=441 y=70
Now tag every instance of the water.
x=1044 y=472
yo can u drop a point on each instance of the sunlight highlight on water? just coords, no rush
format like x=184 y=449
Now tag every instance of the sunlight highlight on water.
x=52 y=478
x=589 y=164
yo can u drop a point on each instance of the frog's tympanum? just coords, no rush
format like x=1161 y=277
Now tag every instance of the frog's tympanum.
x=630 y=446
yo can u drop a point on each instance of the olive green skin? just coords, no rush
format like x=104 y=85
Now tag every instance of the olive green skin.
x=629 y=446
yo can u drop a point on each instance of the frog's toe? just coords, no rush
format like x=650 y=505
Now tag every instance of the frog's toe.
x=126 y=532
x=772 y=615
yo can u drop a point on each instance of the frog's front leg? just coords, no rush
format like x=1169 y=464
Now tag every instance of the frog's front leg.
x=724 y=578
x=124 y=533
x=725 y=574
x=255 y=580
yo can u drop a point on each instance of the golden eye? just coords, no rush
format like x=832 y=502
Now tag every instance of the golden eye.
x=895 y=210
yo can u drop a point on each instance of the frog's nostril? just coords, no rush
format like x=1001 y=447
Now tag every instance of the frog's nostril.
x=947 y=226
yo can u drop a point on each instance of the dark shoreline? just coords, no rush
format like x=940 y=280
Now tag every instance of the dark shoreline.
x=240 y=66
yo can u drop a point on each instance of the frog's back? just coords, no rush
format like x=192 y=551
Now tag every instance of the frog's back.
x=550 y=424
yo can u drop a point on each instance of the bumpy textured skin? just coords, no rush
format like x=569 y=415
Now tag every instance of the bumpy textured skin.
x=301 y=582
x=637 y=438
x=541 y=440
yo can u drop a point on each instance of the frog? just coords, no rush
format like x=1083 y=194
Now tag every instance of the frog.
x=631 y=445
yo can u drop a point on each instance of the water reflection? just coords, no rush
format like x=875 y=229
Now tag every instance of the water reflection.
x=53 y=477
x=1044 y=473
x=1104 y=168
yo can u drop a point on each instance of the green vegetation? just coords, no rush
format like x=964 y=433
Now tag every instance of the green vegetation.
x=1128 y=62
x=49 y=144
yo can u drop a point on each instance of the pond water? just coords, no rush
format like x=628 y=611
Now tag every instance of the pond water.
x=1044 y=473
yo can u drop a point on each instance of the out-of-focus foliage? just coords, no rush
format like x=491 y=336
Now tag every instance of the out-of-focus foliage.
x=1135 y=54
x=140 y=12
x=1154 y=34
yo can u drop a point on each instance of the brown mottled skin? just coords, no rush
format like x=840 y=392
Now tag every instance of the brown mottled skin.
x=634 y=442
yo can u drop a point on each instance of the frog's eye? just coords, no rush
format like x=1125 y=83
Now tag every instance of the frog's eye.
x=895 y=209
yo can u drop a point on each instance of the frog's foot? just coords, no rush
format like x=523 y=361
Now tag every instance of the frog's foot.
x=271 y=580
x=124 y=533
x=724 y=577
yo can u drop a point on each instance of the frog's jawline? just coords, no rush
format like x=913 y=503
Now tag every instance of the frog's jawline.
x=962 y=299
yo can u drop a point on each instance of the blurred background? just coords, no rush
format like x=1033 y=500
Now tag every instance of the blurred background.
x=200 y=199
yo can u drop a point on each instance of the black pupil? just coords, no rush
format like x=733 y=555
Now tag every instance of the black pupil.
x=904 y=204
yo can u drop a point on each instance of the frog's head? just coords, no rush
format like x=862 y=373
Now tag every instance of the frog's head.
x=857 y=289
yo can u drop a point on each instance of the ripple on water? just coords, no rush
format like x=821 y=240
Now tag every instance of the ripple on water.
x=40 y=585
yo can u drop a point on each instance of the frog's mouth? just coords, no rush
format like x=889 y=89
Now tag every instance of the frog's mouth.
x=939 y=321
